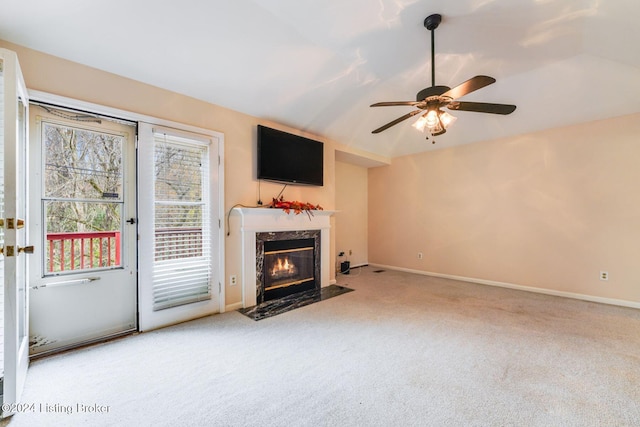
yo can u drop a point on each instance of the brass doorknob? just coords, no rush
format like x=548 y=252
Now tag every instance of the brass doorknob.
x=26 y=249
x=20 y=223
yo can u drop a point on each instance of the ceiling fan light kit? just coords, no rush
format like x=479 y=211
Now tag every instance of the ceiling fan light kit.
x=431 y=101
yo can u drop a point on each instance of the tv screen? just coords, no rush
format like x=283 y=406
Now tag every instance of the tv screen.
x=288 y=158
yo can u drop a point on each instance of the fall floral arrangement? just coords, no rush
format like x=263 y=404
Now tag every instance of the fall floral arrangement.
x=295 y=206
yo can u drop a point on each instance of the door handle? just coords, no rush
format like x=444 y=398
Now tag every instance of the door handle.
x=131 y=221
x=10 y=250
x=12 y=223
x=67 y=283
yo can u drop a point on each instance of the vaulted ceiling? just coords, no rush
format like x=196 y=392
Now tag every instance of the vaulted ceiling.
x=317 y=65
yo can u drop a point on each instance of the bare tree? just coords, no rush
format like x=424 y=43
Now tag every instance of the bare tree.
x=82 y=179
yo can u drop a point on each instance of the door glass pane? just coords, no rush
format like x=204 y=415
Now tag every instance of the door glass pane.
x=2 y=216
x=82 y=164
x=82 y=235
x=82 y=198
x=182 y=257
x=22 y=213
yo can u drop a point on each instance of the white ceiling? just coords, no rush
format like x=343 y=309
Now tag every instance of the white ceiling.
x=317 y=65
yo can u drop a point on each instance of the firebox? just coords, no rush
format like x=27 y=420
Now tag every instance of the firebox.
x=287 y=264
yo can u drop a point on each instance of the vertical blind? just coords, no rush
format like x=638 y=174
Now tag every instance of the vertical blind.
x=182 y=245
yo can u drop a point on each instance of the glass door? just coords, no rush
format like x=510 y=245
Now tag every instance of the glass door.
x=180 y=227
x=13 y=233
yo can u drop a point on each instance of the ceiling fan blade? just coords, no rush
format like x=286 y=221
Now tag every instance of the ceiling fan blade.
x=396 y=121
x=473 y=84
x=393 y=103
x=482 y=107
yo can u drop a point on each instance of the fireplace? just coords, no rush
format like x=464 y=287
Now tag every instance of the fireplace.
x=252 y=228
x=287 y=263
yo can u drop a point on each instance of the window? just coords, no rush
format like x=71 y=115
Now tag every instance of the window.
x=182 y=255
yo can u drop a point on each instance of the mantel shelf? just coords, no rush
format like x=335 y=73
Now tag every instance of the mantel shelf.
x=278 y=211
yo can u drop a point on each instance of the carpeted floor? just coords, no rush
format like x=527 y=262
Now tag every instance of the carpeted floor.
x=401 y=350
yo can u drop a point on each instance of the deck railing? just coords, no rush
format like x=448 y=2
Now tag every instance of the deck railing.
x=179 y=242
x=77 y=251
x=83 y=250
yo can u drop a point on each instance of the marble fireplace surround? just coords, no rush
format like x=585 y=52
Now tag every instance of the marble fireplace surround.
x=267 y=220
x=263 y=237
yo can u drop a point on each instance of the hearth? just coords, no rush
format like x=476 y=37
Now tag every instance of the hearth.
x=287 y=263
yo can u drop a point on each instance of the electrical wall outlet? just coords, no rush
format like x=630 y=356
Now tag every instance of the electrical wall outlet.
x=604 y=275
x=233 y=280
x=419 y=255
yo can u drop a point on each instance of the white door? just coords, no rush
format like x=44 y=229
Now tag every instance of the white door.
x=180 y=226
x=13 y=234
x=83 y=285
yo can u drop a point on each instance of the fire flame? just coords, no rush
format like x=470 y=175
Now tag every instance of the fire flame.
x=283 y=266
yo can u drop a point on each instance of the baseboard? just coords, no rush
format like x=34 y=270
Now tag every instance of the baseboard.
x=233 y=307
x=584 y=297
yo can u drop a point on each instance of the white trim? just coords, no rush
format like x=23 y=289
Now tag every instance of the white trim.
x=234 y=306
x=590 y=298
x=62 y=101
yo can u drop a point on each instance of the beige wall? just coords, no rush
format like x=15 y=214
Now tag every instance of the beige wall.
x=351 y=219
x=60 y=77
x=547 y=210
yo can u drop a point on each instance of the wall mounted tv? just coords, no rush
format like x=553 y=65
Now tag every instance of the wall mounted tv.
x=287 y=158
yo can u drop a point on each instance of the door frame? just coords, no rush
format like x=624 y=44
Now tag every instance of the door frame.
x=217 y=176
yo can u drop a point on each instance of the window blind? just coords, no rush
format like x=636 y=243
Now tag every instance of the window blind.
x=182 y=241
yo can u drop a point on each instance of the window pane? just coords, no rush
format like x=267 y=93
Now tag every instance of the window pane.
x=81 y=236
x=63 y=217
x=178 y=232
x=178 y=172
x=182 y=256
x=81 y=164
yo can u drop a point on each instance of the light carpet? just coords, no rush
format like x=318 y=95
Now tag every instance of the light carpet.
x=401 y=350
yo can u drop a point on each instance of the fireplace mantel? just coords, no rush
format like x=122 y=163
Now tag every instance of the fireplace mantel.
x=246 y=222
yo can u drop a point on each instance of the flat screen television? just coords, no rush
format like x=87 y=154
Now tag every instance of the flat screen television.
x=288 y=158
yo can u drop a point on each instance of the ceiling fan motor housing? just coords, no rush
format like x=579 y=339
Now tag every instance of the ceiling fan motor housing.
x=431 y=91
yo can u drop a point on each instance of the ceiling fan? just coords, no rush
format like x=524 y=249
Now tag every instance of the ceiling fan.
x=432 y=100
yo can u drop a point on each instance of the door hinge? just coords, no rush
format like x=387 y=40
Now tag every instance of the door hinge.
x=136 y=141
x=219 y=223
x=219 y=288
x=218 y=160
